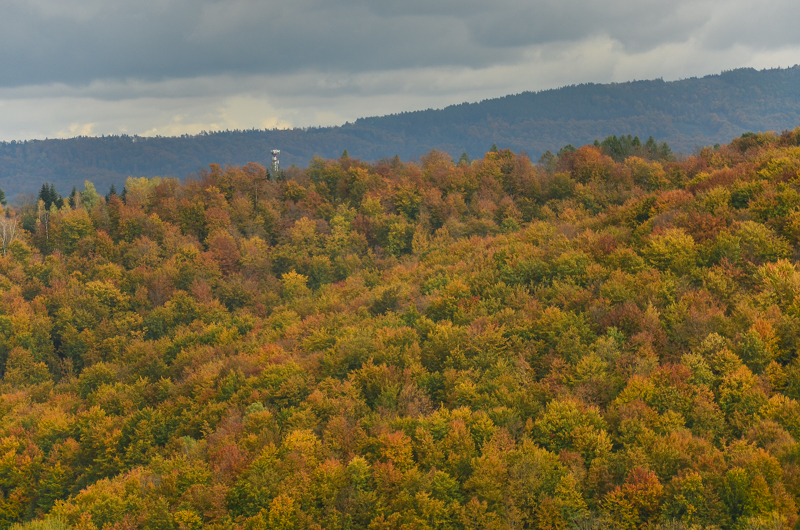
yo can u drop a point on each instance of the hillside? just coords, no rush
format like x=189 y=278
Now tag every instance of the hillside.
x=585 y=344
x=686 y=114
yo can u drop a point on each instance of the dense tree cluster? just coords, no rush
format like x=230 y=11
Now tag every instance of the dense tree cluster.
x=491 y=344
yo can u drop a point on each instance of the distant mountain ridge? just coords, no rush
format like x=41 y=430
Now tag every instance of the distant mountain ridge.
x=686 y=114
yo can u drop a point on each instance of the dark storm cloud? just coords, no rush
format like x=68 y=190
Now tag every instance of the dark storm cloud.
x=78 y=41
x=178 y=38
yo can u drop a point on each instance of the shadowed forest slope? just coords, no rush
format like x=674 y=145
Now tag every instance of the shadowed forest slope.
x=686 y=114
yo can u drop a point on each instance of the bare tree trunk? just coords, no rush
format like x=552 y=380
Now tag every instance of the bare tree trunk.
x=8 y=231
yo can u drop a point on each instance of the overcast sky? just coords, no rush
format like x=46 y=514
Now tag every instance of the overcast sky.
x=148 y=67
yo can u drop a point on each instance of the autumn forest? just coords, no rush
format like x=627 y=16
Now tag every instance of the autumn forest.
x=606 y=337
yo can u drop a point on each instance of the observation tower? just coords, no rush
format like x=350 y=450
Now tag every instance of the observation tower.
x=275 y=163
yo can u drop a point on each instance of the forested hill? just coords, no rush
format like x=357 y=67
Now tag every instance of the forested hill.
x=685 y=114
x=592 y=344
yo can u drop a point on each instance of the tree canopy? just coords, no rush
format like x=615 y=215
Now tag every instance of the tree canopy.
x=582 y=343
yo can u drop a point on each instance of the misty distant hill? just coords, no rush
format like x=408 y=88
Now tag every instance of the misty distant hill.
x=686 y=114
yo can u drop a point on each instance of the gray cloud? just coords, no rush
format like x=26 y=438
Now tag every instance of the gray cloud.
x=760 y=25
x=45 y=41
x=172 y=66
x=637 y=25
x=181 y=38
